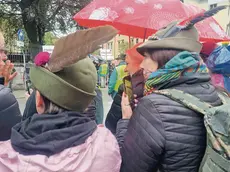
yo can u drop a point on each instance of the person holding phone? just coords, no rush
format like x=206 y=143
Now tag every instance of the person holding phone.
x=132 y=84
x=161 y=134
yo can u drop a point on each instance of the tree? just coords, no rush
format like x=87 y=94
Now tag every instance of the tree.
x=50 y=38
x=41 y=16
x=9 y=29
x=123 y=46
x=97 y=52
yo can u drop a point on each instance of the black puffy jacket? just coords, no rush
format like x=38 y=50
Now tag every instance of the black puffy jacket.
x=9 y=112
x=165 y=135
x=114 y=114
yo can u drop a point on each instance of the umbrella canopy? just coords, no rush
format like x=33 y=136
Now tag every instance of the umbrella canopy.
x=142 y=18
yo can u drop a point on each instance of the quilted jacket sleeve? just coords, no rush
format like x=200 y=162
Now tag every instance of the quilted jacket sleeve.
x=144 y=140
x=114 y=114
x=121 y=131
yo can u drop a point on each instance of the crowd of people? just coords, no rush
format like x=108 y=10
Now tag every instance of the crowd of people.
x=145 y=130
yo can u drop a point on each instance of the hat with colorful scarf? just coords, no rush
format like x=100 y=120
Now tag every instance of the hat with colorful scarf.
x=68 y=77
x=179 y=36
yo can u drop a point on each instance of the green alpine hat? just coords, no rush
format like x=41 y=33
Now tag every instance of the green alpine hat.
x=72 y=88
x=187 y=40
x=69 y=79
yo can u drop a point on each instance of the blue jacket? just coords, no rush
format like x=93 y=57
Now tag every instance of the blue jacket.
x=112 y=81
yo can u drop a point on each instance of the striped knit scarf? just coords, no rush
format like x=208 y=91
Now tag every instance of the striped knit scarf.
x=183 y=64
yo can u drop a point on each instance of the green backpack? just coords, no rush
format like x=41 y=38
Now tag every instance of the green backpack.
x=217 y=123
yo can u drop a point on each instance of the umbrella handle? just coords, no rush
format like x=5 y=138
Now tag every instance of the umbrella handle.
x=145 y=34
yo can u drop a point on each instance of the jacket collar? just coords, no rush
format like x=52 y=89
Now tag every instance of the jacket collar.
x=49 y=134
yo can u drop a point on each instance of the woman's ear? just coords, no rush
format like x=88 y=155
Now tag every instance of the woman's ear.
x=40 y=104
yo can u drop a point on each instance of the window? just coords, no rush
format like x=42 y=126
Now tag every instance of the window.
x=111 y=46
x=213 y=6
x=132 y=41
x=137 y=40
x=123 y=41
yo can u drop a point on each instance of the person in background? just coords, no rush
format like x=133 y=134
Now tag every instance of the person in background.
x=97 y=65
x=162 y=134
x=103 y=73
x=111 y=67
x=64 y=136
x=117 y=76
x=133 y=60
x=207 y=49
x=217 y=59
x=9 y=109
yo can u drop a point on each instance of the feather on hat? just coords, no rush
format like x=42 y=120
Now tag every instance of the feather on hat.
x=69 y=78
x=76 y=46
x=179 y=35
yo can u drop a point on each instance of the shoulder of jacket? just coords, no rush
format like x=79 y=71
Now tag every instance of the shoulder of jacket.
x=4 y=90
x=7 y=96
x=155 y=98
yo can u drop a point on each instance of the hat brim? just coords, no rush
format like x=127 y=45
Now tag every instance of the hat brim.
x=171 y=43
x=59 y=91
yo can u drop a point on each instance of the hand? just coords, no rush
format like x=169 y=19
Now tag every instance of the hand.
x=6 y=70
x=135 y=101
x=125 y=106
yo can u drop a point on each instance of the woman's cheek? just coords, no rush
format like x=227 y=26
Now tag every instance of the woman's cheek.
x=146 y=75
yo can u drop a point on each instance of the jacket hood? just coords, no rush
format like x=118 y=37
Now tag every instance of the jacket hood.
x=49 y=134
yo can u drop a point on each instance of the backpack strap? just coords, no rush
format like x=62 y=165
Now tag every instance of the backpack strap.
x=185 y=99
x=224 y=97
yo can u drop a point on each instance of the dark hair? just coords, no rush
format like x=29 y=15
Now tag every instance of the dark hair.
x=162 y=56
x=121 y=56
x=50 y=107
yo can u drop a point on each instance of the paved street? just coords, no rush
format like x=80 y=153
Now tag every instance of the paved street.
x=107 y=101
